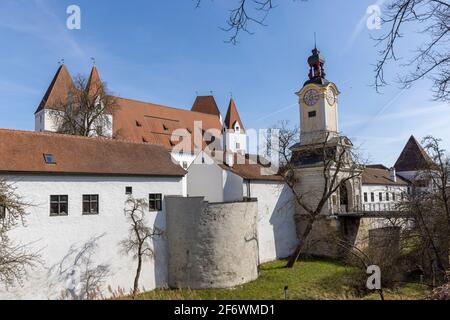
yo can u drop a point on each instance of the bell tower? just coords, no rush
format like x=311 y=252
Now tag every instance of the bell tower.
x=318 y=100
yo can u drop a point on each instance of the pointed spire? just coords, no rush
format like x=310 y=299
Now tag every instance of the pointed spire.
x=94 y=82
x=233 y=117
x=59 y=89
x=413 y=157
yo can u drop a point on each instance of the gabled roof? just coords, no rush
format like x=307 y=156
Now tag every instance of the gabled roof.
x=233 y=117
x=23 y=152
x=58 y=91
x=380 y=175
x=413 y=157
x=206 y=104
x=250 y=167
x=155 y=124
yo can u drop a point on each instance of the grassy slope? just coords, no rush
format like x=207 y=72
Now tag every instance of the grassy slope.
x=308 y=280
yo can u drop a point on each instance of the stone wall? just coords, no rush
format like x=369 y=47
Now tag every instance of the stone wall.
x=211 y=245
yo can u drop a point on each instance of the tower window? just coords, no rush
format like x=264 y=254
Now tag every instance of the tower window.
x=129 y=190
x=312 y=114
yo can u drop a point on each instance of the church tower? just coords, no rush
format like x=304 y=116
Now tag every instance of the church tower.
x=318 y=104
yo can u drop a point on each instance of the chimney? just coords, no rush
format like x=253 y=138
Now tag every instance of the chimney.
x=393 y=174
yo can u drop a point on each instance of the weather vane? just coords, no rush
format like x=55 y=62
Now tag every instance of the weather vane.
x=61 y=62
x=93 y=60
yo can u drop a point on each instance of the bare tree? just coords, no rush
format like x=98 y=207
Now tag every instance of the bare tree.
x=339 y=166
x=428 y=205
x=15 y=259
x=87 y=111
x=431 y=59
x=139 y=241
x=243 y=14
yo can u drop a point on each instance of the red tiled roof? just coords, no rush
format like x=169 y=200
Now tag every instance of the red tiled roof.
x=58 y=90
x=250 y=167
x=147 y=122
x=380 y=175
x=94 y=82
x=413 y=157
x=206 y=104
x=23 y=152
x=233 y=117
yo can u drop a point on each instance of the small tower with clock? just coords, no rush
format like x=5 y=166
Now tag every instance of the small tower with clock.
x=318 y=104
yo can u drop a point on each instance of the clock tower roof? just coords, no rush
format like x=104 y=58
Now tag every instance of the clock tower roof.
x=317 y=73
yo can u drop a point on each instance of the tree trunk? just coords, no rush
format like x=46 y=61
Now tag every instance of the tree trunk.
x=294 y=257
x=138 y=274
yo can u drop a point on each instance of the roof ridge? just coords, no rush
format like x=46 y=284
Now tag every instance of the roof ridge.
x=70 y=136
x=164 y=106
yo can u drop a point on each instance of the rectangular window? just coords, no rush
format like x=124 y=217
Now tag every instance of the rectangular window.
x=59 y=205
x=365 y=197
x=155 y=202
x=393 y=196
x=387 y=196
x=2 y=212
x=90 y=204
x=129 y=190
x=238 y=146
x=372 y=197
x=380 y=196
x=312 y=114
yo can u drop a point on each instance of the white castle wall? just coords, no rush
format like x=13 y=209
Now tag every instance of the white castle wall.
x=211 y=245
x=56 y=236
x=277 y=235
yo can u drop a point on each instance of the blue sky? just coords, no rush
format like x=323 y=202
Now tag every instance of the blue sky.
x=166 y=51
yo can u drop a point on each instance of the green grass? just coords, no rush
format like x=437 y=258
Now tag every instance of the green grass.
x=315 y=279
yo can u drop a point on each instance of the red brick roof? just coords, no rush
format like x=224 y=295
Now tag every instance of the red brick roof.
x=58 y=90
x=206 y=104
x=380 y=175
x=233 y=117
x=156 y=124
x=413 y=157
x=250 y=167
x=23 y=152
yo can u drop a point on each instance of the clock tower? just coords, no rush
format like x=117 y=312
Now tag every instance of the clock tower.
x=318 y=104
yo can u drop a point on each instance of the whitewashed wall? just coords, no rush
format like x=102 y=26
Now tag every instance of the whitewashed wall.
x=44 y=121
x=232 y=186
x=55 y=236
x=277 y=235
x=384 y=204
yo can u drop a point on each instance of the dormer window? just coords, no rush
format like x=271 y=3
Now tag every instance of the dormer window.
x=49 y=158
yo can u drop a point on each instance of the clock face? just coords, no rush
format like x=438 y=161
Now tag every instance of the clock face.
x=311 y=97
x=331 y=98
